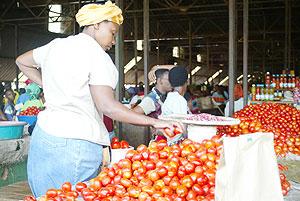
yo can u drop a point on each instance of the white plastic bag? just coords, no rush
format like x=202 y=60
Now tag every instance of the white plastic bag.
x=248 y=170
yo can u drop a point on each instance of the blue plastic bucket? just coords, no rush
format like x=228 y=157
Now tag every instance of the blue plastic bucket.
x=11 y=129
x=29 y=119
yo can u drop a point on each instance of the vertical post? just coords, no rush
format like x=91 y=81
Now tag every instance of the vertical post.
x=135 y=19
x=245 y=50
x=146 y=44
x=264 y=46
x=190 y=50
x=287 y=49
x=16 y=55
x=76 y=28
x=232 y=53
x=147 y=136
x=289 y=35
x=207 y=55
x=157 y=36
x=119 y=60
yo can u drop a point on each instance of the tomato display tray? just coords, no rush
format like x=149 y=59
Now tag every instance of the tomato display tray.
x=223 y=121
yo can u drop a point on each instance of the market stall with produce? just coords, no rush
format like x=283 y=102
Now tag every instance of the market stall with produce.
x=92 y=57
x=187 y=171
x=278 y=88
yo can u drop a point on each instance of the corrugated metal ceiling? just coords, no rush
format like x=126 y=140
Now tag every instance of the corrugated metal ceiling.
x=7 y=69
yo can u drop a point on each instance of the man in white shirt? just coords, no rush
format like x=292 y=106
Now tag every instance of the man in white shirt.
x=175 y=102
x=78 y=78
x=239 y=100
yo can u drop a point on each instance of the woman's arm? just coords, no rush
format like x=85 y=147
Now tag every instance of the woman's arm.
x=103 y=97
x=27 y=65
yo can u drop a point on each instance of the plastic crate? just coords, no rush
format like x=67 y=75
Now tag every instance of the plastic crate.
x=11 y=129
x=28 y=119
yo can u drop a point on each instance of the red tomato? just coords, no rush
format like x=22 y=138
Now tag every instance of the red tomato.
x=198 y=189
x=115 y=145
x=51 y=193
x=66 y=187
x=177 y=130
x=141 y=148
x=124 y=144
x=134 y=191
x=79 y=186
x=168 y=132
x=187 y=181
x=114 y=139
x=29 y=198
x=181 y=191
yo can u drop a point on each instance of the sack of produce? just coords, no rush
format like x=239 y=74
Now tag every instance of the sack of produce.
x=248 y=169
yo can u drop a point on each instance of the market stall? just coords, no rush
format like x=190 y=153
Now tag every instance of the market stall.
x=189 y=170
x=14 y=144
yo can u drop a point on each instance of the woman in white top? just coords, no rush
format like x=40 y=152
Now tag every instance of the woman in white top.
x=78 y=78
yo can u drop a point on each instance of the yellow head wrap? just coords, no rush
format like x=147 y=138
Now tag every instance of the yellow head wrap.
x=96 y=13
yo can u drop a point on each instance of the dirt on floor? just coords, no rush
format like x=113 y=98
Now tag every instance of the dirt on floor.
x=15 y=192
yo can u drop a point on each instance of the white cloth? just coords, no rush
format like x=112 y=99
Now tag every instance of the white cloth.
x=238 y=105
x=174 y=104
x=69 y=66
x=147 y=105
x=135 y=99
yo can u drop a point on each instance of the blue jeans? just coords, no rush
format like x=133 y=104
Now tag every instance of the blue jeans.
x=54 y=160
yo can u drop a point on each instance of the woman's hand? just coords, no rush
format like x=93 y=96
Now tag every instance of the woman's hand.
x=170 y=126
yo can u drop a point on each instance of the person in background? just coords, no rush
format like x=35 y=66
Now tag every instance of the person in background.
x=175 y=102
x=2 y=116
x=30 y=98
x=218 y=97
x=78 y=78
x=187 y=96
x=151 y=104
x=238 y=100
x=138 y=97
x=21 y=100
x=9 y=107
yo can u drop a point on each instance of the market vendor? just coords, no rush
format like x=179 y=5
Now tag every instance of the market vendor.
x=78 y=78
x=152 y=102
x=175 y=102
x=30 y=97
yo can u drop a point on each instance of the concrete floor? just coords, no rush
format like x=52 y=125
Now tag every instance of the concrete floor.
x=15 y=192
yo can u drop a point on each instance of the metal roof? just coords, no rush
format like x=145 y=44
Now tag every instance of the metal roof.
x=8 y=69
x=169 y=19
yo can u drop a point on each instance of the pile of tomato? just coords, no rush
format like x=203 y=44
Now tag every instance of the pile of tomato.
x=117 y=144
x=155 y=173
x=285 y=185
x=30 y=111
x=280 y=119
x=158 y=172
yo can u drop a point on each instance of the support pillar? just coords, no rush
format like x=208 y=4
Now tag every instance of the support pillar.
x=245 y=50
x=16 y=55
x=232 y=53
x=190 y=50
x=119 y=61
